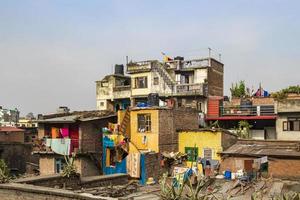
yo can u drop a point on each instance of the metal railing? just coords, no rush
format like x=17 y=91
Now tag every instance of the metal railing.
x=247 y=110
x=190 y=89
x=122 y=88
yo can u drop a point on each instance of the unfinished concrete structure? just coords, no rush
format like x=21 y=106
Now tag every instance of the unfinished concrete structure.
x=78 y=132
x=288 y=118
x=188 y=82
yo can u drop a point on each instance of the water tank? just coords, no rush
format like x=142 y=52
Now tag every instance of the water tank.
x=153 y=99
x=179 y=58
x=119 y=69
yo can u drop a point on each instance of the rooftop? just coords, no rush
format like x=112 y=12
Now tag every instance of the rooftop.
x=76 y=116
x=271 y=148
x=10 y=129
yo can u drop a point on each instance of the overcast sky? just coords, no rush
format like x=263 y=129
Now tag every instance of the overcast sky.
x=53 y=51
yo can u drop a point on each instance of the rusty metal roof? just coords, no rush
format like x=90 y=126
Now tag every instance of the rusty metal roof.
x=256 y=148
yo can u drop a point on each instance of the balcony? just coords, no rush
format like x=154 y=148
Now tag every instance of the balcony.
x=142 y=66
x=66 y=146
x=191 y=89
x=247 y=110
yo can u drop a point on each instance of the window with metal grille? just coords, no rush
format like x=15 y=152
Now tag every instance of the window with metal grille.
x=192 y=153
x=292 y=124
x=207 y=153
x=144 y=123
x=141 y=82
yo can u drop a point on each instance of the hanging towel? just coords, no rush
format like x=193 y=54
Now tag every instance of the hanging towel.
x=64 y=132
x=48 y=142
x=61 y=146
x=55 y=132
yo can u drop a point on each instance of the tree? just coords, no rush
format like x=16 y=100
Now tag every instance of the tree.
x=30 y=116
x=243 y=130
x=238 y=89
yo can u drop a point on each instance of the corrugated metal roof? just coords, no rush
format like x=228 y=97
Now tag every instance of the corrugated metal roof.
x=264 y=148
x=10 y=129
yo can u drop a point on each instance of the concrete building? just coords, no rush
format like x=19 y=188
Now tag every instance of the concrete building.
x=187 y=82
x=288 y=119
x=154 y=128
x=259 y=112
x=67 y=133
x=9 y=117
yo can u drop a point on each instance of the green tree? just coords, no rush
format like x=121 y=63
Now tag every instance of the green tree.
x=238 y=89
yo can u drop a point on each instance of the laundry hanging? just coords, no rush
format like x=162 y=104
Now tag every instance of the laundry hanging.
x=61 y=146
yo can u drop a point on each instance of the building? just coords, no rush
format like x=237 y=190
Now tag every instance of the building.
x=278 y=159
x=187 y=83
x=67 y=133
x=259 y=112
x=204 y=143
x=27 y=123
x=154 y=128
x=9 y=117
x=11 y=134
x=288 y=118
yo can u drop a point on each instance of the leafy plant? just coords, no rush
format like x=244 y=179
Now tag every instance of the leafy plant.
x=69 y=168
x=243 y=130
x=4 y=172
x=238 y=89
x=282 y=94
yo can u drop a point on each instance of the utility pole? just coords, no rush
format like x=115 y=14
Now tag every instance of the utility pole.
x=209 y=52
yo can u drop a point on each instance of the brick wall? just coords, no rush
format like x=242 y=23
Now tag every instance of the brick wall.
x=90 y=137
x=277 y=167
x=284 y=168
x=16 y=155
x=170 y=121
x=228 y=140
x=47 y=165
x=152 y=165
x=215 y=78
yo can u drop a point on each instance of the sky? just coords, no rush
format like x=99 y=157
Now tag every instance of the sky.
x=53 y=51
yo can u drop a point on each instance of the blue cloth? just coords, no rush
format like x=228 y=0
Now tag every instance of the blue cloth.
x=61 y=146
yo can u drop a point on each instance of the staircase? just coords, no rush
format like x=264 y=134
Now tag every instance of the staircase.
x=159 y=68
x=124 y=124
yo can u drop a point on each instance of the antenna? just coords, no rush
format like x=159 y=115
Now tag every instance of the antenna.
x=126 y=60
x=220 y=57
x=209 y=52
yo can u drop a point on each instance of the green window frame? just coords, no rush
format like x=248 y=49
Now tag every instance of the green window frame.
x=192 y=153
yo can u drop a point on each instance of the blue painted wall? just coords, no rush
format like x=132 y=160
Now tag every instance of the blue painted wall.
x=120 y=167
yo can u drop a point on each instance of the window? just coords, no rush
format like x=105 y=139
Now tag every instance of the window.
x=59 y=165
x=155 y=81
x=292 y=124
x=207 y=153
x=101 y=104
x=110 y=157
x=192 y=153
x=144 y=123
x=141 y=82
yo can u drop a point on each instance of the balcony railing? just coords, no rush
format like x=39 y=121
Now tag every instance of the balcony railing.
x=122 y=88
x=73 y=145
x=247 y=110
x=139 y=66
x=186 y=89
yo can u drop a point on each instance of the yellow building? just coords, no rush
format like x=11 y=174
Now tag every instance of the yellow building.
x=154 y=128
x=204 y=143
